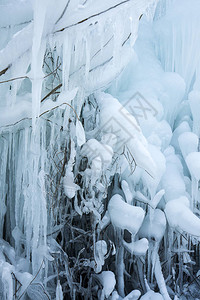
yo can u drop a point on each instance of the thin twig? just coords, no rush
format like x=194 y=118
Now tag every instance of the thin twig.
x=59 y=106
x=26 y=77
x=4 y=70
x=66 y=6
x=32 y=280
x=13 y=79
x=90 y=17
x=52 y=92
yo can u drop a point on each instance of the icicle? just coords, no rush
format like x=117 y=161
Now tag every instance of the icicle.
x=192 y=161
x=38 y=50
x=194 y=100
x=127 y=192
x=120 y=270
x=160 y=279
x=59 y=292
x=134 y=23
x=80 y=133
x=8 y=281
x=100 y=251
x=88 y=55
x=175 y=38
x=118 y=33
x=3 y=189
x=67 y=48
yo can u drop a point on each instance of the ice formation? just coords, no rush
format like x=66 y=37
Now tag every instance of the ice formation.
x=99 y=149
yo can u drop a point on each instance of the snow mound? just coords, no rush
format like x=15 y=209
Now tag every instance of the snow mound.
x=107 y=279
x=193 y=163
x=181 y=217
x=124 y=215
x=188 y=142
x=153 y=228
x=94 y=149
x=114 y=118
x=150 y=295
x=134 y=295
x=137 y=248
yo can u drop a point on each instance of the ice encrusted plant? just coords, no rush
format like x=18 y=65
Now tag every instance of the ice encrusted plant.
x=99 y=195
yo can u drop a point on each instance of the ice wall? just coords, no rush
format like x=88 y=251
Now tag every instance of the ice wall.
x=179 y=42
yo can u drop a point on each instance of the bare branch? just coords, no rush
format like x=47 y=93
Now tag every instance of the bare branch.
x=13 y=79
x=4 y=70
x=25 y=77
x=52 y=92
x=90 y=17
x=66 y=6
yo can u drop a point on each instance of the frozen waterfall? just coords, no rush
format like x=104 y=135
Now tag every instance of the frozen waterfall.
x=99 y=149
